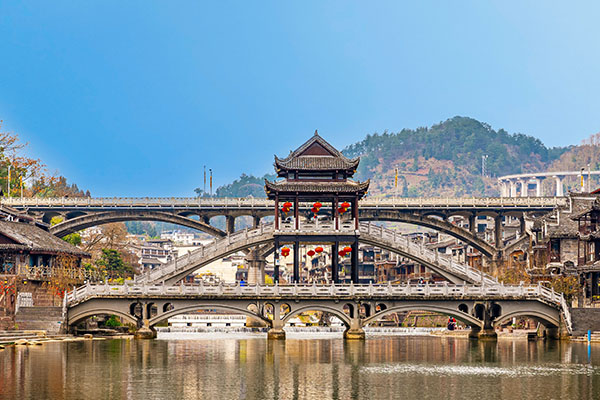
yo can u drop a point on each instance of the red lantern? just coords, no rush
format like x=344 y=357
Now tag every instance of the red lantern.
x=285 y=251
x=310 y=253
x=318 y=205
x=348 y=249
x=285 y=210
x=342 y=253
x=287 y=204
x=342 y=210
x=345 y=205
x=319 y=249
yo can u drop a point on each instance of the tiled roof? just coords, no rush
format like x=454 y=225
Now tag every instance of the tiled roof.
x=31 y=238
x=347 y=186
x=330 y=160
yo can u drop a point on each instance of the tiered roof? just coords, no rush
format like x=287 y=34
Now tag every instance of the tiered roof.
x=316 y=168
x=316 y=155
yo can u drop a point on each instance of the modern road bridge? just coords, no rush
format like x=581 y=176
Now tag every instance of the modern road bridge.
x=480 y=307
x=510 y=184
x=80 y=213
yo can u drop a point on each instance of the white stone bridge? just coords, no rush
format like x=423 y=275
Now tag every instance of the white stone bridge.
x=480 y=307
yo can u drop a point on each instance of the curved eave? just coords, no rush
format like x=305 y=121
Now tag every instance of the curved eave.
x=350 y=165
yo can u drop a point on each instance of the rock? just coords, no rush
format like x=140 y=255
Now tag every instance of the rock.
x=88 y=336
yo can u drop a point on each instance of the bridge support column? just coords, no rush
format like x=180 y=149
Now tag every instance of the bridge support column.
x=513 y=188
x=276 y=332
x=521 y=224
x=334 y=262
x=524 y=186
x=559 y=186
x=487 y=331
x=551 y=332
x=472 y=224
x=145 y=332
x=498 y=231
x=230 y=224
x=256 y=267
x=255 y=221
x=538 y=187
x=355 y=331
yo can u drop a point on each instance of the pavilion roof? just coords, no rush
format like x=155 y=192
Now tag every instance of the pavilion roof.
x=339 y=187
x=316 y=154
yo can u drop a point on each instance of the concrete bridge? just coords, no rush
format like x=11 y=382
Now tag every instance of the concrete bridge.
x=518 y=184
x=434 y=213
x=480 y=307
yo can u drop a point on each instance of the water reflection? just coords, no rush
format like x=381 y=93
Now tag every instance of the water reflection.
x=251 y=368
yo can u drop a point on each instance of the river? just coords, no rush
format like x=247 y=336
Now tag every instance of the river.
x=305 y=366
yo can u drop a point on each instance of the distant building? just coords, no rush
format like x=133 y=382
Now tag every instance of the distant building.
x=179 y=237
x=156 y=252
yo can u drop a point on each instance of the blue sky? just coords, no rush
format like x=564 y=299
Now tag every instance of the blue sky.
x=134 y=98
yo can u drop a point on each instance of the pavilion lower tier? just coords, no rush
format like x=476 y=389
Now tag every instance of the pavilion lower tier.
x=336 y=242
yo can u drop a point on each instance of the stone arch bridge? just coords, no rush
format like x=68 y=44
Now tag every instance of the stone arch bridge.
x=263 y=237
x=480 y=307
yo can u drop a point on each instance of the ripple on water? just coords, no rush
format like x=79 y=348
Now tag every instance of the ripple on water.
x=483 y=370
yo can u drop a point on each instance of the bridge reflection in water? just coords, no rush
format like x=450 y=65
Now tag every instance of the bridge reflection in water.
x=228 y=368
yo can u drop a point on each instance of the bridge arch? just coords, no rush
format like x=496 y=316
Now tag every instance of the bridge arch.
x=459 y=315
x=202 y=306
x=315 y=307
x=88 y=220
x=541 y=317
x=78 y=317
x=439 y=225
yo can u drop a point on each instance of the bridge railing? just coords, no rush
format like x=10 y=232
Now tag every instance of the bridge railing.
x=418 y=249
x=206 y=252
x=251 y=202
x=333 y=290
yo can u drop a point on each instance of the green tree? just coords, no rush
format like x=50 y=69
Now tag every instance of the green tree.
x=112 y=262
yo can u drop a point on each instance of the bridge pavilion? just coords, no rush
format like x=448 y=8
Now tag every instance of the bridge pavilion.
x=317 y=173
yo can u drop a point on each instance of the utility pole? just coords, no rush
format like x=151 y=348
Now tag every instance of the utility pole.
x=210 y=170
x=204 y=190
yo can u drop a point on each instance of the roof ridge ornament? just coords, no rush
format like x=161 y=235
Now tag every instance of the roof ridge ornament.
x=316 y=133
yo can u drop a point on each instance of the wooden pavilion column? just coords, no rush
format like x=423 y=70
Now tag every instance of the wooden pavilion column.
x=334 y=262
x=276 y=260
x=276 y=214
x=336 y=214
x=296 y=261
x=296 y=212
x=355 y=212
x=354 y=261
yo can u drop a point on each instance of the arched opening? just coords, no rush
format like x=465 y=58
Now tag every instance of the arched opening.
x=495 y=311
x=316 y=316
x=136 y=310
x=209 y=315
x=421 y=315
x=479 y=311
x=463 y=308
x=168 y=307
x=349 y=310
x=151 y=310
x=365 y=310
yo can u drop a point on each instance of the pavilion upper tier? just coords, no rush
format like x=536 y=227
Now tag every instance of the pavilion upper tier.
x=315 y=169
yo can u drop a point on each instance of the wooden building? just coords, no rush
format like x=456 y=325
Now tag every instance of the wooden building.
x=317 y=175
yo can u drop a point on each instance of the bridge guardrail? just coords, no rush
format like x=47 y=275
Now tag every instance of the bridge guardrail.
x=333 y=290
x=234 y=202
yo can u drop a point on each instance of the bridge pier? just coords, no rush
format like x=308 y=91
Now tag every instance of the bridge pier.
x=230 y=219
x=276 y=332
x=355 y=331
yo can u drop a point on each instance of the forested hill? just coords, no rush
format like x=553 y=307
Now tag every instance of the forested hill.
x=446 y=159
